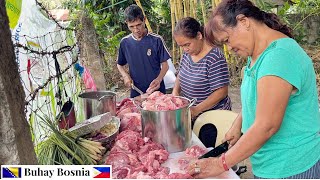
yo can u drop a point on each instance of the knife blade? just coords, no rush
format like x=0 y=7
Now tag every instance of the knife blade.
x=137 y=89
x=217 y=151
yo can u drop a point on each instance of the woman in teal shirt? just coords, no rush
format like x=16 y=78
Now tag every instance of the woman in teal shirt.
x=280 y=116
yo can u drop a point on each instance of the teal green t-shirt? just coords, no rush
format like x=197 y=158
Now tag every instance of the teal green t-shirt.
x=296 y=146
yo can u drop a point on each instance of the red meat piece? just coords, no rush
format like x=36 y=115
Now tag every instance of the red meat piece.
x=131 y=121
x=195 y=151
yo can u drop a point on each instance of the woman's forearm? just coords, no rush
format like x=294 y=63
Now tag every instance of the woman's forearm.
x=176 y=89
x=213 y=99
x=248 y=144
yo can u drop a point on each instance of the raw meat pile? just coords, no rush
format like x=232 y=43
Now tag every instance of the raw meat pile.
x=158 y=101
x=131 y=156
x=191 y=154
x=126 y=106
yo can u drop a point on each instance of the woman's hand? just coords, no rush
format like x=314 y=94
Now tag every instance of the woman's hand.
x=194 y=111
x=232 y=136
x=209 y=168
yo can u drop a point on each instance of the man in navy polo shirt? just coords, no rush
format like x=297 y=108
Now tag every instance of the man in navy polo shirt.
x=145 y=53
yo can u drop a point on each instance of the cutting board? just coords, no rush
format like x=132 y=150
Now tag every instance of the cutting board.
x=173 y=164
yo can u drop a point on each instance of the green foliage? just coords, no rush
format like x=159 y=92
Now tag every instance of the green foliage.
x=294 y=15
x=108 y=36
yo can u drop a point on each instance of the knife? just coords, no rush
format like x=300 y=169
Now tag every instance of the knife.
x=217 y=151
x=137 y=89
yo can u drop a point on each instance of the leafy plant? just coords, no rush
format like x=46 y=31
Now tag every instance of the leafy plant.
x=294 y=15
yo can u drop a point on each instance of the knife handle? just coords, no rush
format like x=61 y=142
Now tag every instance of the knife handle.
x=217 y=151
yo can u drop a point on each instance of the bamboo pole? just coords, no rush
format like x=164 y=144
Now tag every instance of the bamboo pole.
x=213 y=4
x=176 y=9
x=185 y=12
x=180 y=9
x=187 y=9
x=204 y=14
x=193 y=7
x=172 y=8
x=147 y=21
x=216 y=2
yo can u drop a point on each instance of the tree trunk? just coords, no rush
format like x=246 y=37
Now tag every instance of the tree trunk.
x=16 y=146
x=90 y=52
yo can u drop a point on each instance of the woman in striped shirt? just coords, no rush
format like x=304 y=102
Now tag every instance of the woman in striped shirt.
x=203 y=74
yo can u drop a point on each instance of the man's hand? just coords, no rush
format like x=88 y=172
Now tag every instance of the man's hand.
x=154 y=85
x=127 y=81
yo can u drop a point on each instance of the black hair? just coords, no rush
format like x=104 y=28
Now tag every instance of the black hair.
x=132 y=13
x=228 y=10
x=188 y=27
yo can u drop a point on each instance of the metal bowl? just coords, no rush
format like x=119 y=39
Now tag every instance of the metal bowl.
x=107 y=142
x=92 y=124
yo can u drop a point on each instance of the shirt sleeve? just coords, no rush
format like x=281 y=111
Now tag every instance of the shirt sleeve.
x=218 y=71
x=279 y=62
x=163 y=50
x=121 y=55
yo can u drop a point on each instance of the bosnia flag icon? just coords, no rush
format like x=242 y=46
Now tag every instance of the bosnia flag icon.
x=11 y=172
x=102 y=172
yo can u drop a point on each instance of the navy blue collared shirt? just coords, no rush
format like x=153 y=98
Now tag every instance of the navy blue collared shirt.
x=144 y=58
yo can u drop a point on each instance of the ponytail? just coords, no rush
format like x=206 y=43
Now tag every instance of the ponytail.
x=272 y=21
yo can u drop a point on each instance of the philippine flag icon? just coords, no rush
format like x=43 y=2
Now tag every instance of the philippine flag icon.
x=102 y=172
x=11 y=172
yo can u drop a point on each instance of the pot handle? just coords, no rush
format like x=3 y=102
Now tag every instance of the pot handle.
x=100 y=104
x=102 y=97
x=193 y=100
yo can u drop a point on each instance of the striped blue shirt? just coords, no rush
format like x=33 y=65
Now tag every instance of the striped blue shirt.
x=199 y=80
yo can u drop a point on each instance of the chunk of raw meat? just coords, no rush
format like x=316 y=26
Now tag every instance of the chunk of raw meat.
x=129 y=141
x=131 y=121
x=195 y=151
x=126 y=106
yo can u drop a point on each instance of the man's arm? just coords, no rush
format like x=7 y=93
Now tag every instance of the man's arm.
x=126 y=77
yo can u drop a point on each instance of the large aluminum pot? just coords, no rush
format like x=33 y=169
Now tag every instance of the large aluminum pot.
x=170 y=128
x=98 y=102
